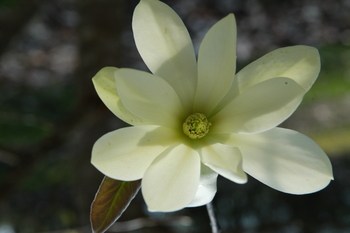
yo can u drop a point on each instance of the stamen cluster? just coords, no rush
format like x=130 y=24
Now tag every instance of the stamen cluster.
x=196 y=126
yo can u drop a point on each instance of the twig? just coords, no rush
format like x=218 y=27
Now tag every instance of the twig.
x=213 y=220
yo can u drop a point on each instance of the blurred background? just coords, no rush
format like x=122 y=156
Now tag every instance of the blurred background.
x=50 y=115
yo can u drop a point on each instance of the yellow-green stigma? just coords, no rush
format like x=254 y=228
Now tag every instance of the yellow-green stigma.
x=196 y=126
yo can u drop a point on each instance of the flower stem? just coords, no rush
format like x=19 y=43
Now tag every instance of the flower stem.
x=213 y=220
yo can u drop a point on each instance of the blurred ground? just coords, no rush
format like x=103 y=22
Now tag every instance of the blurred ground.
x=50 y=115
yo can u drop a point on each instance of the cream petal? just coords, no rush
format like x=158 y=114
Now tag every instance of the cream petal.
x=300 y=63
x=284 y=160
x=207 y=187
x=149 y=97
x=166 y=47
x=259 y=108
x=225 y=160
x=126 y=153
x=171 y=182
x=105 y=87
x=216 y=64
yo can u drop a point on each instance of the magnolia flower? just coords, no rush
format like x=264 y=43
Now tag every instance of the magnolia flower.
x=193 y=120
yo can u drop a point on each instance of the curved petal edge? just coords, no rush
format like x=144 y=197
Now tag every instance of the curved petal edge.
x=284 y=159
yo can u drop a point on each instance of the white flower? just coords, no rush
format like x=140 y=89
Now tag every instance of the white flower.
x=193 y=120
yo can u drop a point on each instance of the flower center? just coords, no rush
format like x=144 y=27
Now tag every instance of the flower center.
x=196 y=126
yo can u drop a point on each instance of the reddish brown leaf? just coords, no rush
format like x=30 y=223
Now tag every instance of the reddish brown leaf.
x=111 y=200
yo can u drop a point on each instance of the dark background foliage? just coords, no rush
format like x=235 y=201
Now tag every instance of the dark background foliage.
x=50 y=115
